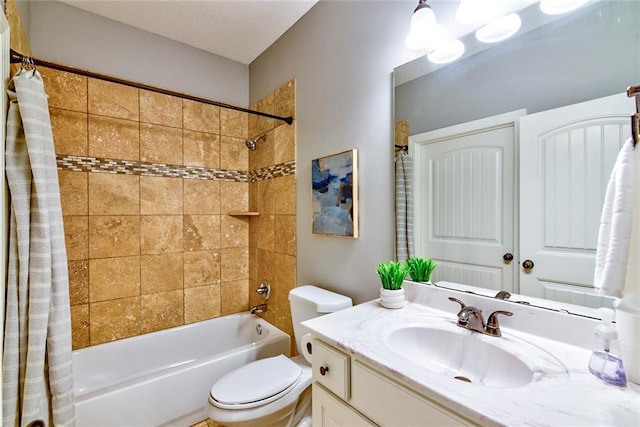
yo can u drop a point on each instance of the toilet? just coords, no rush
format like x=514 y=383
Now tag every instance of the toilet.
x=275 y=391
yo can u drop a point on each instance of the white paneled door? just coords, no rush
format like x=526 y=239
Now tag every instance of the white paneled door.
x=466 y=204
x=566 y=157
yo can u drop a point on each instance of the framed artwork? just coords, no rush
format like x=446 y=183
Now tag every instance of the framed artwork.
x=334 y=183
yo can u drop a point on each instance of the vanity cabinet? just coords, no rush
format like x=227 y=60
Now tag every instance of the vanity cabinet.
x=348 y=392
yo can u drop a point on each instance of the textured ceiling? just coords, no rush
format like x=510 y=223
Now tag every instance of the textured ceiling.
x=239 y=30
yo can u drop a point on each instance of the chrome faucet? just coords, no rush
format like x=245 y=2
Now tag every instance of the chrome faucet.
x=260 y=308
x=470 y=317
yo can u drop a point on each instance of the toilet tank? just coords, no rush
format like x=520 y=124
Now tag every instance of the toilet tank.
x=310 y=301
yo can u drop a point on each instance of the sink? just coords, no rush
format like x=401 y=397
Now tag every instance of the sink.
x=443 y=348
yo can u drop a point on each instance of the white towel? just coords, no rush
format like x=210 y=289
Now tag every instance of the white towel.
x=615 y=235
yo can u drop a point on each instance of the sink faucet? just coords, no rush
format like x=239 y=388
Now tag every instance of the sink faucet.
x=470 y=317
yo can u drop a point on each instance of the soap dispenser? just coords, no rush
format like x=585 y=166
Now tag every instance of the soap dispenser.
x=605 y=362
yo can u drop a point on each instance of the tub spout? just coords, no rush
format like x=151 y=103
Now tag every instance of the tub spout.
x=260 y=308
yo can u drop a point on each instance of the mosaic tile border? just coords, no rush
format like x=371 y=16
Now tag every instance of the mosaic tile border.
x=131 y=167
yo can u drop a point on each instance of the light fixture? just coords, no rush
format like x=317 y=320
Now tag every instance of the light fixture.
x=556 y=7
x=447 y=52
x=499 y=29
x=425 y=32
x=475 y=12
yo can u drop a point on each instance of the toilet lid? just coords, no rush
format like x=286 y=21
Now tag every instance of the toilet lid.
x=256 y=383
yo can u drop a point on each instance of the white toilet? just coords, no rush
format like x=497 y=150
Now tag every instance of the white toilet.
x=275 y=391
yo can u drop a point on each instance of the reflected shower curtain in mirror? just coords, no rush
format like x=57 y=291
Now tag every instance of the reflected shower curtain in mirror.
x=37 y=380
x=404 y=206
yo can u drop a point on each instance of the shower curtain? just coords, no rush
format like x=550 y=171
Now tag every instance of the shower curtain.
x=37 y=371
x=404 y=207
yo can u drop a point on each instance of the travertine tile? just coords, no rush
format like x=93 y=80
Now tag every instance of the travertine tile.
x=285 y=143
x=234 y=232
x=201 y=149
x=111 y=278
x=285 y=234
x=264 y=196
x=284 y=198
x=161 y=234
x=160 y=144
x=234 y=197
x=258 y=124
x=161 y=273
x=114 y=320
x=201 y=303
x=76 y=232
x=234 y=154
x=78 y=282
x=234 y=264
x=70 y=132
x=285 y=100
x=401 y=132
x=234 y=123
x=264 y=232
x=160 y=109
x=59 y=84
x=265 y=153
x=112 y=138
x=160 y=196
x=73 y=192
x=162 y=311
x=253 y=262
x=114 y=236
x=113 y=100
x=265 y=261
x=201 y=232
x=201 y=268
x=111 y=194
x=253 y=196
x=80 y=326
x=200 y=117
x=201 y=196
x=234 y=297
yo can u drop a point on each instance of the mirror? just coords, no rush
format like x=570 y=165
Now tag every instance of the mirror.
x=591 y=53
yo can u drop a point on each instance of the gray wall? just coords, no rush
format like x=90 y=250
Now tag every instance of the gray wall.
x=342 y=54
x=68 y=35
x=591 y=53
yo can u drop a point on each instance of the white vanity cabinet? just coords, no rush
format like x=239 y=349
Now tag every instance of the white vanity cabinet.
x=347 y=392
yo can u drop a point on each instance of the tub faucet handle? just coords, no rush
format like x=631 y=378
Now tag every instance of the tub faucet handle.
x=264 y=289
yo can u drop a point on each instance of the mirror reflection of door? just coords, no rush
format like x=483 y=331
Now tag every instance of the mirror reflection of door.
x=566 y=158
x=464 y=183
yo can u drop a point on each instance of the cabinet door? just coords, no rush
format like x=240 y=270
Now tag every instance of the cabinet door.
x=566 y=158
x=329 y=411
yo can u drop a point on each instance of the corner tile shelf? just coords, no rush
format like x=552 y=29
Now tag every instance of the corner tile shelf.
x=248 y=213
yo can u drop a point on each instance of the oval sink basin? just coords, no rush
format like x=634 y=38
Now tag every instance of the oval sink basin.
x=444 y=348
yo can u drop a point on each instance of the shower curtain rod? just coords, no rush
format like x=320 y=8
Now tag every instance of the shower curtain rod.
x=19 y=58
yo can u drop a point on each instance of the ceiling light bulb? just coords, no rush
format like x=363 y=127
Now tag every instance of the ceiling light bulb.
x=425 y=32
x=499 y=29
x=447 y=52
x=474 y=12
x=557 y=7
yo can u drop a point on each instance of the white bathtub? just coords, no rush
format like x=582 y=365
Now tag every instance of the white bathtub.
x=164 y=378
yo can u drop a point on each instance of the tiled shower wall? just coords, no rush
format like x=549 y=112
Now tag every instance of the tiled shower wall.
x=147 y=184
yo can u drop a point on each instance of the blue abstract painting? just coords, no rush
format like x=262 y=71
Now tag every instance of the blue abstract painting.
x=335 y=194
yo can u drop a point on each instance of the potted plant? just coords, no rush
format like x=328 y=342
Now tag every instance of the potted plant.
x=420 y=269
x=392 y=275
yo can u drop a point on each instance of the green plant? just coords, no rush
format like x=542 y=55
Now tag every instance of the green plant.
x=392 y=274
x=420 y=269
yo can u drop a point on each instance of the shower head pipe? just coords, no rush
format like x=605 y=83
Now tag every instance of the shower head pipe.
x=16 y=57
x=252 y=143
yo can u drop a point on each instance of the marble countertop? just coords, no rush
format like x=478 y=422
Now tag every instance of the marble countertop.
x=563 y=391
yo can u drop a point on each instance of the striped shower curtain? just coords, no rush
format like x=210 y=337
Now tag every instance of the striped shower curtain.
x=37 y=382
x=404 y=207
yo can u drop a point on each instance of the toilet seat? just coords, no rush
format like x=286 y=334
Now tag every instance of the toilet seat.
x=256 y=383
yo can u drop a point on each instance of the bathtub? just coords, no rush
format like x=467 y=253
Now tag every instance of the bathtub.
x=164 y=378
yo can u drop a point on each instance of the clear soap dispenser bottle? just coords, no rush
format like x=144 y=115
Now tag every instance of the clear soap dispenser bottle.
x=605 y=362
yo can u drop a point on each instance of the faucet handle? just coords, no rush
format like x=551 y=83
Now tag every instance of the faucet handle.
x=462 y=305
x=493 y=326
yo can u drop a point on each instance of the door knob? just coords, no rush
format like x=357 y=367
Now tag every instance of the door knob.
x=527 y=264
x=508 y=257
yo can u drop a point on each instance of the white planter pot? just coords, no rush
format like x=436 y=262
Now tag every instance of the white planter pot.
x=392 y=298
